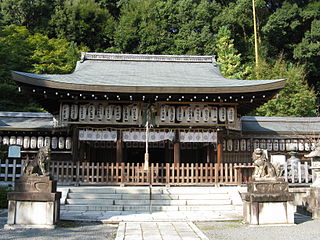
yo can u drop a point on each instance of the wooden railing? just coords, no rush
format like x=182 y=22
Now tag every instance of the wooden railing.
x=157 y=174
x=67 y=172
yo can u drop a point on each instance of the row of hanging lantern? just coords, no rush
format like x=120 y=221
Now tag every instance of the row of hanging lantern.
x=269 y=144
x=196 y=114
x=27 y=142
x=100 y=112
x=132 y=113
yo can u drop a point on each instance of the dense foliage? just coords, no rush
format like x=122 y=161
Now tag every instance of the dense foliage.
x=46 y=36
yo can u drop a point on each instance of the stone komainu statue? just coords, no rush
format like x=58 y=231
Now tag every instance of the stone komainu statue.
x=263 y=168
x=39 y=165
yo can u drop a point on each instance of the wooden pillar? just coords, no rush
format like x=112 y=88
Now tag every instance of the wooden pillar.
x=119 y=149
x=219 y=148
x=176 y=153
x=75 y=144
x=176 y=149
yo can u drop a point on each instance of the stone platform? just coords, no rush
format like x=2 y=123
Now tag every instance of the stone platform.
x=268 y=202
x=35 y=203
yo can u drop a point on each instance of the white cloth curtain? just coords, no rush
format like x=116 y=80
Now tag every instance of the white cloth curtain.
x=194 y=136
x=97 y=135
x=140 y=136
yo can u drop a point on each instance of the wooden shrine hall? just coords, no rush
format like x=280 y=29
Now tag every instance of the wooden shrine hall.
x=181 y=106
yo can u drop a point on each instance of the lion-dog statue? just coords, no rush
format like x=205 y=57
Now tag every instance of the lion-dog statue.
x=38 y=165
x=263 y=168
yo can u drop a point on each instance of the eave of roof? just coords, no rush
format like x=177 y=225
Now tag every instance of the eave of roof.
x=283 y=125
x=129 y=73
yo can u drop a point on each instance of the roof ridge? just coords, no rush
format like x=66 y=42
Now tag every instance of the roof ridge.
x=146 y=57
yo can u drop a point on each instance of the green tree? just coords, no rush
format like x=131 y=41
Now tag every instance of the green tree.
x=308 y=51
x=295 y=99
x=229 y=59
x=52 y=55
x=84 y=22
x=34 y=15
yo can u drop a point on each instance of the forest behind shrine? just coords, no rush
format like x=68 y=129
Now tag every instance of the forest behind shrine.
x=47 y=36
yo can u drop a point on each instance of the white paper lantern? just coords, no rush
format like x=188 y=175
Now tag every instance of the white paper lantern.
x=243 y=145
x=229 y=145
x=269 y=145
x=197 y=114
x=20 y=140
x=171 y=113
x=282 y=145
x=263 y=144
x=189 y=114
x=301 y=145
x=179 y=114
x=206 y=114
x=135 y=112
x=47 y=141
x=276 y=145
x=307 y=145
x=40 y=142
x=125 y=113
x=26 y=142
x=230 y=114
x=214 y=114
x=54 y=143
x=74 y=112
x=236 y=145
x=91 y=112
x=33 y=143
x=68 y=143
x=13 y=140
x=65 y=112
x=248 y=145
x=163 y=113
x=222 y=114
x=100 y=113
x=109 y=112
x=83 y=112
x=61 y=142
x=117 y=113
x=288 y=145
x=5 y=140
x=256 y=144
x=224 y=145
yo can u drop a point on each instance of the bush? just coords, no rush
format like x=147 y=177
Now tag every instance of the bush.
x=3 y=197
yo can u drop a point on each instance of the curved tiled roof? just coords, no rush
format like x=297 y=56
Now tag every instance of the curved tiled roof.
x=105 y=72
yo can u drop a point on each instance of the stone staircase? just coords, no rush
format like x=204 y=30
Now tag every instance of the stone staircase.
x=152 y=199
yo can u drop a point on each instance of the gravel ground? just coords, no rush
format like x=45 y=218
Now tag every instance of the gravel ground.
x=305 y=228
x=66 y=230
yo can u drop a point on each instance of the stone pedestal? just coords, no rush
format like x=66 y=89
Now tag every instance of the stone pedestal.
x=268 y=202
x=35 y=203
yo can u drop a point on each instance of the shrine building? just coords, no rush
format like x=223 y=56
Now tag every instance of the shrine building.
x=112 y=104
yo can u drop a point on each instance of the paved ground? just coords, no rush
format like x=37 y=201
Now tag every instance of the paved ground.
x=305 y=228
x=127 y=216
x=159 y=231
x=66 y=230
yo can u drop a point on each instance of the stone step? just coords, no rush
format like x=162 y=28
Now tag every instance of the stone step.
x=146 y=208
x=107 y=196
x=90 y=201
x=111 y=190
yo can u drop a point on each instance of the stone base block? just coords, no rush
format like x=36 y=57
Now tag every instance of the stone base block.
x=32 y=213
x=263 y=213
